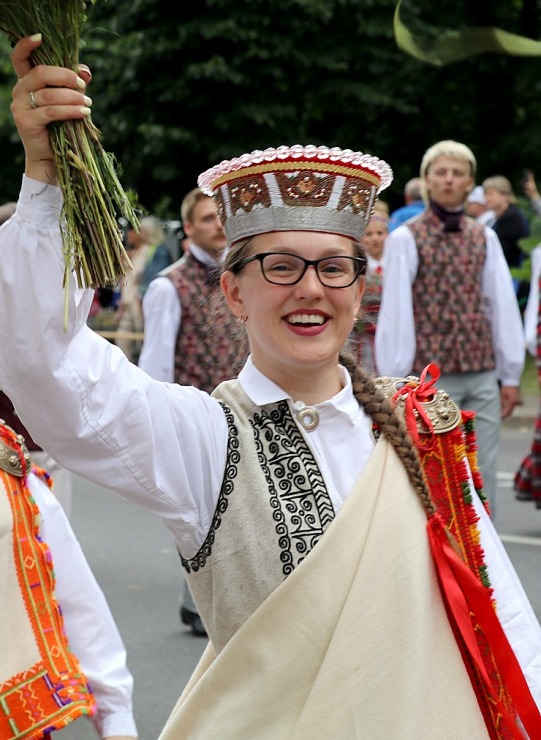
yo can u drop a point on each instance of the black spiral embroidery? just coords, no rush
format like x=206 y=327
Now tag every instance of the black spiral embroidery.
x=300 y=504
x=228 y=485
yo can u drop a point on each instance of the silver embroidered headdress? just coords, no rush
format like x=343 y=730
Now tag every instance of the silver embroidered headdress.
x=297 y=188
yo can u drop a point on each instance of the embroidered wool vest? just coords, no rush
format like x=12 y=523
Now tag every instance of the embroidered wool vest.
x=451 y=326
x=208 y=348
x=272 y=509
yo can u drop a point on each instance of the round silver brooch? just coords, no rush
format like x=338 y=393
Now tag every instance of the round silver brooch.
x=308 y=417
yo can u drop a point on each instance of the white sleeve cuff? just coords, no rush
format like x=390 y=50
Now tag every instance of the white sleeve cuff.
x=119 y=723
x=39 y=203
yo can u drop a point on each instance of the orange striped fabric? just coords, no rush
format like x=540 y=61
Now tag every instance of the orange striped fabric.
x=52 y=692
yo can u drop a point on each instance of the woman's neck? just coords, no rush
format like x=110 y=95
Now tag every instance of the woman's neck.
x=309 y=386
x=312 y=394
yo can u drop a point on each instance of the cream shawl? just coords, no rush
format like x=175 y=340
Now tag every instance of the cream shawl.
x=354 y=644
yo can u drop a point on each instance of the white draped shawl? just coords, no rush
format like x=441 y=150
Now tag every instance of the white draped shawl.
x=355 y=643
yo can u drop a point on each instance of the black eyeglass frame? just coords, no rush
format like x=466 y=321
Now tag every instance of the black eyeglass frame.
x=360 y=263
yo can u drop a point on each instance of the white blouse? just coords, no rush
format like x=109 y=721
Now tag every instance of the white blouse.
x=532 y=304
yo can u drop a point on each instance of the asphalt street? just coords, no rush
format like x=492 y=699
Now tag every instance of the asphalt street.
x=138 y=568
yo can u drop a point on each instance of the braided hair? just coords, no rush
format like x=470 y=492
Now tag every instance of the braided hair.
x=381 y=411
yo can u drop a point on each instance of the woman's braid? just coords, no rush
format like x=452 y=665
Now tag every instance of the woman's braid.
x=381 y=411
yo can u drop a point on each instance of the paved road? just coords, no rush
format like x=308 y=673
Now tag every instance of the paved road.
x=519 y=523
x=138 y=568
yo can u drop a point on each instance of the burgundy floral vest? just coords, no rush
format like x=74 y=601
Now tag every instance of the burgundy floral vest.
x=451 y=326
x=208 y=348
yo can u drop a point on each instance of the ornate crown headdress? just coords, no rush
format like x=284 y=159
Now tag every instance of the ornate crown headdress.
x=297 y=188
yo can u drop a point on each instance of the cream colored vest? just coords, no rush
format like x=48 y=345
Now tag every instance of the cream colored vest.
x=273 y=508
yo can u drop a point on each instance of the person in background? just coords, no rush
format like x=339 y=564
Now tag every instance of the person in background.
x=129 y=313
x=62 y=656
x=511 y=224
x=319 y=512
x=364 y=330
x=414 y=204
x=529 y=187
x=476 y=207
x=189 y=338
x=6 y=211
x=158 y=256
x=448 y=298
x=527 y=482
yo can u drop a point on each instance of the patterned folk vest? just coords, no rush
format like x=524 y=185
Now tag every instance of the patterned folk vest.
x=451 y=326
x=272 y=509
x=209 y=348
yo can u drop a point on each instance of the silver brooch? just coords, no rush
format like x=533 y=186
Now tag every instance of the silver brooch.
x=307 y=416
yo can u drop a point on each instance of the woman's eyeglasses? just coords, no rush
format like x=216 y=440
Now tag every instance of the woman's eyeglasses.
x=281 y=268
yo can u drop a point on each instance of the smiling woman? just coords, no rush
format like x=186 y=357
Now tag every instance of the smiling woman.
x=297 y=318
x=310 y=514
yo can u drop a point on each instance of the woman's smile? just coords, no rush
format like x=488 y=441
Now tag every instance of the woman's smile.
x=306 y=322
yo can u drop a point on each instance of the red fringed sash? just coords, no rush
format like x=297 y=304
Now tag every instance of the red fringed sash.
x=494 y=671
x=53 y=692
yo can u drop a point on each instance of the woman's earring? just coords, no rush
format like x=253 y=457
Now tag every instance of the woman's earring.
x=242 y=318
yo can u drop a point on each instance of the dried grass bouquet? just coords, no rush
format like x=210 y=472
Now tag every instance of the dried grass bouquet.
x=93 y=195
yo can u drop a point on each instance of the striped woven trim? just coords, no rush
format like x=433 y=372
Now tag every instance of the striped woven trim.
x=447 y=477
x=299 y=166
x=54 y=691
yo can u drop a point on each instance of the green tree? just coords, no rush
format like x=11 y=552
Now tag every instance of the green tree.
x=195 y=86
x=178 y=88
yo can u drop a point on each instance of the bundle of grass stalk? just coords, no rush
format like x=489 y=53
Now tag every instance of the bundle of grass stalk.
x=93 y=195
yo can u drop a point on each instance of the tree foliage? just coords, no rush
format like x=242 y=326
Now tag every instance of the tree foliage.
x=179 y=87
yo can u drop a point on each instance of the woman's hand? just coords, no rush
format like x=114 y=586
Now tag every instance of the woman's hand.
x=44 y=94
x=529 y=186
